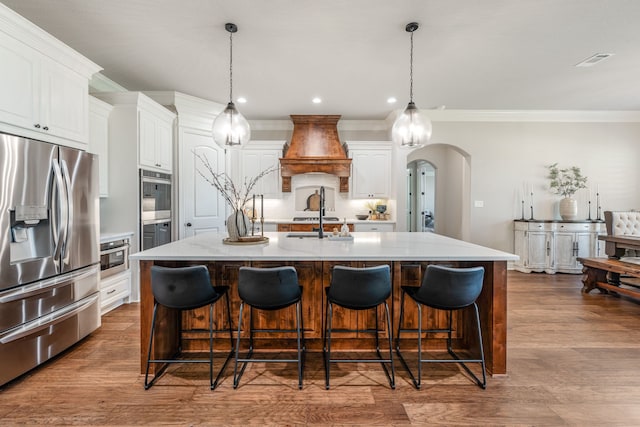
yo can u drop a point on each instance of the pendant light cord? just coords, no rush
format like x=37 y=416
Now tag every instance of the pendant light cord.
x=231 y=66
x=411 y=71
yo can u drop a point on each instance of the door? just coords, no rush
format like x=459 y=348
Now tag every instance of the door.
x=29 y=230
x=80 y=174
x=202 y=207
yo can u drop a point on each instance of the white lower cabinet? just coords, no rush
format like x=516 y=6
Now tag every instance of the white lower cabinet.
x=114 y=291
x=555 y=246
x=383 y=227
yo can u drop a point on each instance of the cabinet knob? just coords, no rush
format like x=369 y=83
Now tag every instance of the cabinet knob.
x=46 y=128
x=188 y=224
x=37 y=126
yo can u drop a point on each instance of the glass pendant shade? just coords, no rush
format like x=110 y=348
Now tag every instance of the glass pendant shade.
x=412 y=128
x=230 y=128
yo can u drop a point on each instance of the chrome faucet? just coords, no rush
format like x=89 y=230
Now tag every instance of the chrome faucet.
x=320 y=231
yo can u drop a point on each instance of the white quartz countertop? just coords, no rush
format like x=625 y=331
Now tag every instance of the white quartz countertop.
x=110 y=237
x=340 y=221
x=364 y=246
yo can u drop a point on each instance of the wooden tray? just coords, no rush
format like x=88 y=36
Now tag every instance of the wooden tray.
x=248 y=240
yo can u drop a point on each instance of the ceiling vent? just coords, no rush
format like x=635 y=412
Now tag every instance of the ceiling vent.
x=594 y=59
x=315 y=147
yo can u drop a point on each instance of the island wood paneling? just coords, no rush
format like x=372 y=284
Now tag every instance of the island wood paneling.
x=314 y=276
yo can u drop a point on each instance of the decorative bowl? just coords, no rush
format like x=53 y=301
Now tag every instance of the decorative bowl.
x=362 y=216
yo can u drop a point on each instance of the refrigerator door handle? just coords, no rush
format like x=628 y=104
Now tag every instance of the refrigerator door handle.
x=45 y=285
x=58 y=204
x=45 y=322
x=68 y=202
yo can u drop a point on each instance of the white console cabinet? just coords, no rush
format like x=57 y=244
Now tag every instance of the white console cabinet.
x=43 y=84
x=554 y=246
x=371 y=167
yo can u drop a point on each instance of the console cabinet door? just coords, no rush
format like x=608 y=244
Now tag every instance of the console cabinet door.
x=539 y=250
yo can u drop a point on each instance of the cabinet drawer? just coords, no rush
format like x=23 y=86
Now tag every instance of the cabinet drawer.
x=573 y=228
x=541 y=226
x=374 y=227
x=114 y=288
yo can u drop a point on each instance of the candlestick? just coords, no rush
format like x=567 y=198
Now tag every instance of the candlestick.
x=598 y=205
x=589 y=218
x=531 y=206
x=522 y=209
x=253 y=215
x=262 y=215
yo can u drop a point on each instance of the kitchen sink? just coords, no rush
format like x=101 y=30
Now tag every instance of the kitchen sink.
x=303 y=235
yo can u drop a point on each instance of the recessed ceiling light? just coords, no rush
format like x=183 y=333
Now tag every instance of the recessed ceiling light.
x=242 y=100
x=391 y=100
x=316 y=100
x=594 y=59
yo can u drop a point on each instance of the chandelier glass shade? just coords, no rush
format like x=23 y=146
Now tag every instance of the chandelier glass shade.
x=412 y=128
x=230 y=128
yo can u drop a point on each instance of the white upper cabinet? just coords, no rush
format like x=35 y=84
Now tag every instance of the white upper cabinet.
x=371 y=169
x=156 y=136
x=43 y=84
x=99 y=139
x=141 y=121
x=259 y=156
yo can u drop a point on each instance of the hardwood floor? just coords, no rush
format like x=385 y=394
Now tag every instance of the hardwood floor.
x=572 y=360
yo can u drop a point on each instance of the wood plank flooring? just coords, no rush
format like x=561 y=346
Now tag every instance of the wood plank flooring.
x=572 y=359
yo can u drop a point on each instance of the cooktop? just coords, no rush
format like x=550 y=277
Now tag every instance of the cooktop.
x=315 y=218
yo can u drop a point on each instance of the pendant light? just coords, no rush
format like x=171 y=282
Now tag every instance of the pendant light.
x=230 y=128
x=412 y=128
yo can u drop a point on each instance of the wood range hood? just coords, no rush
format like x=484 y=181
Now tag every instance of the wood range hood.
x=315 y=147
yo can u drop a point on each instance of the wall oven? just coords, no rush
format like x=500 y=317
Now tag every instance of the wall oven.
x=114 y=257
x=155 y=204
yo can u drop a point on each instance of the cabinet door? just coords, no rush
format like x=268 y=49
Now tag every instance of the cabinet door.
x=255 y=161
x=147 y=139
x=163 y=149
x=18 y=83
x=63 y=102
x=539 y=250
x=520 y=247
x=371 y=173
x=565 y=250
x=585 y=246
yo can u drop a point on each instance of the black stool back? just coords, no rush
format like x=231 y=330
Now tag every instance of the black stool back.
x=269 y=288
x=360 y=288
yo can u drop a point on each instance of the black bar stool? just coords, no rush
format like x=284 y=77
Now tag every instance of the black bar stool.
x=449 y=289
x=186 y=288
x=269 y=289
x=359 y=289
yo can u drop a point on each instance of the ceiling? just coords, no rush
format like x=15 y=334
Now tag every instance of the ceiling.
x=354 y=55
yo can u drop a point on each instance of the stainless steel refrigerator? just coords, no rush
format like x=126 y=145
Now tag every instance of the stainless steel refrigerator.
x=49 y=251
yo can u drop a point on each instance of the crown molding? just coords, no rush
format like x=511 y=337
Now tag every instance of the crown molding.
x=101 y=83
x=567 y=116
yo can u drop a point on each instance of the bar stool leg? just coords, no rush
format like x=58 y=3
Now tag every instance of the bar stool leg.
x=148 y=384
x=393 y=371
x=236 y=377
x=327 y=360
x=418 y=382
x=300 y=349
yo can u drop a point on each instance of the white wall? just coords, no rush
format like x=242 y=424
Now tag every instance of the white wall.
x=504 y=155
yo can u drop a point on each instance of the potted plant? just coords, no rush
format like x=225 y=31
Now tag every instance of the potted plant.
x=566 y=182
x=236 y=196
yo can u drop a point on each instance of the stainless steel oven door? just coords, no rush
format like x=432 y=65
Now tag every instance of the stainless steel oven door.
x=155 y=195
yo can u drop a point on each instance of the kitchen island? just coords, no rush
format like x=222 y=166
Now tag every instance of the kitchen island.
x=408 y=255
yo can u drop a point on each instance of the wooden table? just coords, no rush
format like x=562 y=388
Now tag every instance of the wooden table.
x=408 y=255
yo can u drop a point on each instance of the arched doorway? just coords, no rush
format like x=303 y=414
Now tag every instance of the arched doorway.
x=451 y=183
x=421 y=200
